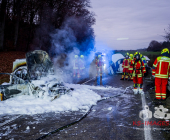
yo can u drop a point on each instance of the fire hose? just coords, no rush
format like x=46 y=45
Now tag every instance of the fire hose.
x=85 y=115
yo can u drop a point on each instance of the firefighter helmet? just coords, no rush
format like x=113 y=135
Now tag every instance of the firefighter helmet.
x=127 y=55
x=137 y=55
x=81 y=56
x=99 y=56
x=76 y=56
x=131 y=55
x=165 y=50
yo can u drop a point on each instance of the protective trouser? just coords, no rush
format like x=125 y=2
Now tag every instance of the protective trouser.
x=126 y=73
x=76 y=71
x=99 y=70
x=138 y=81
x=130 y=75
x=160 y=87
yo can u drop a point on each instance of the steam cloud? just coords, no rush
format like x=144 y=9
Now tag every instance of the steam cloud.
x=65 y=46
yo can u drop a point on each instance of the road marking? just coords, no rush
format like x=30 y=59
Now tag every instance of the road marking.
x=147 y=132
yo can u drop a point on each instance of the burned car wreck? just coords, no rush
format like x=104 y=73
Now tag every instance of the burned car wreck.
x=33 y=76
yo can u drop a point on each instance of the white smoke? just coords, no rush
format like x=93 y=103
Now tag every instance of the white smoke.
x=64 y=48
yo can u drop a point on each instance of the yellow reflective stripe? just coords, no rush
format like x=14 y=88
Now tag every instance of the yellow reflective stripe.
x=154 y=65
x=161 y=76
x=126 y=66
x=163 y=93
x=158 y=96
x=153 y=71
x=160 y=67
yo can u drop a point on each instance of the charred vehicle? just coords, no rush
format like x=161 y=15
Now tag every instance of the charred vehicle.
x=33 y=76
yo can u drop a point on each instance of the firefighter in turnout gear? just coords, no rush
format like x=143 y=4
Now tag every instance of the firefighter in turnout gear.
x=81 y=65
x=76 y=67
x=130 y=67
x=125 y=67
x=161 y=70
x=99 y=64
x=138 y=73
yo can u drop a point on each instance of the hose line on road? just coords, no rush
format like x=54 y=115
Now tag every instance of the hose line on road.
x=88 y=81
x=70 y=124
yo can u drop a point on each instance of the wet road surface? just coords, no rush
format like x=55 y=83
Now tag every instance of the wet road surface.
x=111 y=119
x=115 y=118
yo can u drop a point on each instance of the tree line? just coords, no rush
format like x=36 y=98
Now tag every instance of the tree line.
x=29 y=24
x=158 y=46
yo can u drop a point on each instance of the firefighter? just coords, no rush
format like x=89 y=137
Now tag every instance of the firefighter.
x=76 y=67
x=81 y=65
x=125 y=67
x=161 y=70
x=138 y=73
x=99 y=64
x=130 y=67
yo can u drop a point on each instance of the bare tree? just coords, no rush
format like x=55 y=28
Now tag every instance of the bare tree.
x=2 y=22
x=30 y=22
x=167 y=34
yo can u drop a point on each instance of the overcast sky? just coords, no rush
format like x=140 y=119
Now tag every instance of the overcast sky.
x=138 y=22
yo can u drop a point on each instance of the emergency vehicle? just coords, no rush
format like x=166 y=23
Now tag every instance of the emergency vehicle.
x=116 y=63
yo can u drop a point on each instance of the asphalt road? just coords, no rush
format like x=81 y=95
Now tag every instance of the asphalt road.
x=112 y=119
x=115 y=118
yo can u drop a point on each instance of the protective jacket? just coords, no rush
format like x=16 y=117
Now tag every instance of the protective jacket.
x=131 y=62
x=139 y=68
x=99 y=63
x=125 y=63
x=161 y=67
x=76 y=64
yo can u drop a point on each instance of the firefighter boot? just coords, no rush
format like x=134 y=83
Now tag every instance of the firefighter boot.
x=101 y=80
x=123 y=76
x=141 y=91
x=126 y=77
x=135 y=90
x=130 y=78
